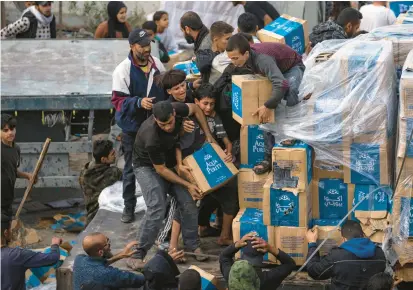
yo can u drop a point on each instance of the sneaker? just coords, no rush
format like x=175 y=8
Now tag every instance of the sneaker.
x=135 y=264
x=128 y=215
x=200 y=258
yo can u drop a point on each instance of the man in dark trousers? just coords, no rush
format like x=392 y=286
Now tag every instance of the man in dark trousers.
x=16 y=261
x=253 y=251
x=37 y=22
x=134 y=91
x=352 y=264
x=264 y=11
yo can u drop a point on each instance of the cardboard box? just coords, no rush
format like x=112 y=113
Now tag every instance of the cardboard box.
x=209 y=169
x=406 y=176
x=404 y=249
x=189 y=67
x=375 y=205
x=405 y=128
x=251 y=188
x=405 y=272
x=251 y=220
x=293 y=166
x=325 y=169
x=292 y=241
x=252 y=145
x=374 y=228
x=406 y=88
x=334 y=238
x=208 y=281
x=402 y=211
x=370 y=163
x=331 y=199
x=286 y=207
x=286 y=29
x=249 y=92
x=178 y=56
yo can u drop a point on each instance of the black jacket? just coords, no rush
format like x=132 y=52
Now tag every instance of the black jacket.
x=270 y=278
x=349 y=266
x=31 y=33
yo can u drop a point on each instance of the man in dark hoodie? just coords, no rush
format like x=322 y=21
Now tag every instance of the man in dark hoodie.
x=349 y=266
x=98 y=175
x=253 y=251
x=345 y=26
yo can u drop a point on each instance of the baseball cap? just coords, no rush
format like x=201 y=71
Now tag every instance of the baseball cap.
x=139 y=36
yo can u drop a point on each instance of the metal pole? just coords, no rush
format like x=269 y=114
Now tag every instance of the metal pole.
x=90 y=126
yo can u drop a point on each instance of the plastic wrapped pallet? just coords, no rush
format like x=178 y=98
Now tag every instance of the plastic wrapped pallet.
x=360 y=80
x=404 y=18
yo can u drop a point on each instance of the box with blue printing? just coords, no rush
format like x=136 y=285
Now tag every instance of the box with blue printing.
x=251 y=188
x=208 y=281
x=286 y=29
x=376 y=200
x=252 y=145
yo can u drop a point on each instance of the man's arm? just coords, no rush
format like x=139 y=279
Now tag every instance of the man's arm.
x=226 y=260
x=127 y=252
x=195 y=110
x=281 y=272
x=30 y=259
x=269 y=68
x=319 y=269
x=11 y=30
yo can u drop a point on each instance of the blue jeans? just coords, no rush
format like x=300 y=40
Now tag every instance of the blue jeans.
x=294 y=76
x=154 y=190
x=128 y=177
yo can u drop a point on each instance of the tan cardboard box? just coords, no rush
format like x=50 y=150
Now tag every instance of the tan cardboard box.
x=293 y=163
x=405 y=128
x=404 y=249
x=250 y=220
x=334 y=238
x=406 y=88
x=249 y=92
x=406 y=176
x=292 y=241
x=376 y=205
x=403 y=210
x=209 y=169
x=286 y=29
x=179 y=56
x=405 y=272
x=325 y=169
x=251 y=188
x=374 y=228
x=286 y=207
x=209 y=281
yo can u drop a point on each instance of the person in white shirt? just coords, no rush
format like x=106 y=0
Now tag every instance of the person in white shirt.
x=161 y=19
x=376 y=15
x=248 y=23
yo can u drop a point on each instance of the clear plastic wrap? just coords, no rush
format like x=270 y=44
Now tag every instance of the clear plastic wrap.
x=350 y=116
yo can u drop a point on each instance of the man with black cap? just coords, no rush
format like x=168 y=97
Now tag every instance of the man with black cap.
x=253 y=250
x=134 y=91
x=16 y=261
x=37 y=22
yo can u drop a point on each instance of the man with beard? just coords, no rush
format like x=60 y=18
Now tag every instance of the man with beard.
x=16 y=261
x=92 y=271
x=37 y=22
x=134 y=91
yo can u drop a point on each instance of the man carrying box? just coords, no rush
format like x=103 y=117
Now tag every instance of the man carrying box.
x=253 y=251
x=349 y=266
x=154 y=161
x=282 y=66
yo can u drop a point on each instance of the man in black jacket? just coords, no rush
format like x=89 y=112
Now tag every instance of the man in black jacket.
x=37 y=22
x=349 y=266
x=254 y=249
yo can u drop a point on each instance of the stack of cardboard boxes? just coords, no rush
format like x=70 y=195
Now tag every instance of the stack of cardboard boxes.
x=403 y=198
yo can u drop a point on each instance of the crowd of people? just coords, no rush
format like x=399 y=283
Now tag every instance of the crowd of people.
x=164 y=119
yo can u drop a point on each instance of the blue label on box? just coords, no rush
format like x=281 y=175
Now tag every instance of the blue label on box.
x=212 y=166
x=188 y=67
x=399 y=7
x=376 y=198
x=409 y=128
x=284 y=208
x=325 y=222
x=332 y=198
x=406 y=216
x=207 y=285
x=256 y=148
x=365 y=163
x=236 y=100
x=293 y=33
x=252 y=221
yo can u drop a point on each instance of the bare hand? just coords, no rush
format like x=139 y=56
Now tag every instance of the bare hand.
x=185 y=172
x=129 y=250
x=264 y=114
x=312 y=235
x=210 y=139
x=228 y=158
x=243 y=242
x=261 y=245
x=196 y=84
x=176 y=255
x=189 y=126
x=397 y=281
x=146 y=103
x=56 y=241
x=195 y=192
x=29 y=176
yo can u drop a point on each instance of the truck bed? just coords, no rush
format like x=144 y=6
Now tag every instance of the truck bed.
x=120 y=234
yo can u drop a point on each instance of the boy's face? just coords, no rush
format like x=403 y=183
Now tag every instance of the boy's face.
x=207 y=105
x=110 y=159
x=163 y=23
x=237 y=58
x=221 y=42
x=178 y=92
x=8 y=134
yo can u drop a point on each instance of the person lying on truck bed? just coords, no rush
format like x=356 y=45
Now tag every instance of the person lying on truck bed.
x=253 y=251
x=352 y=264
x=16 y=261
